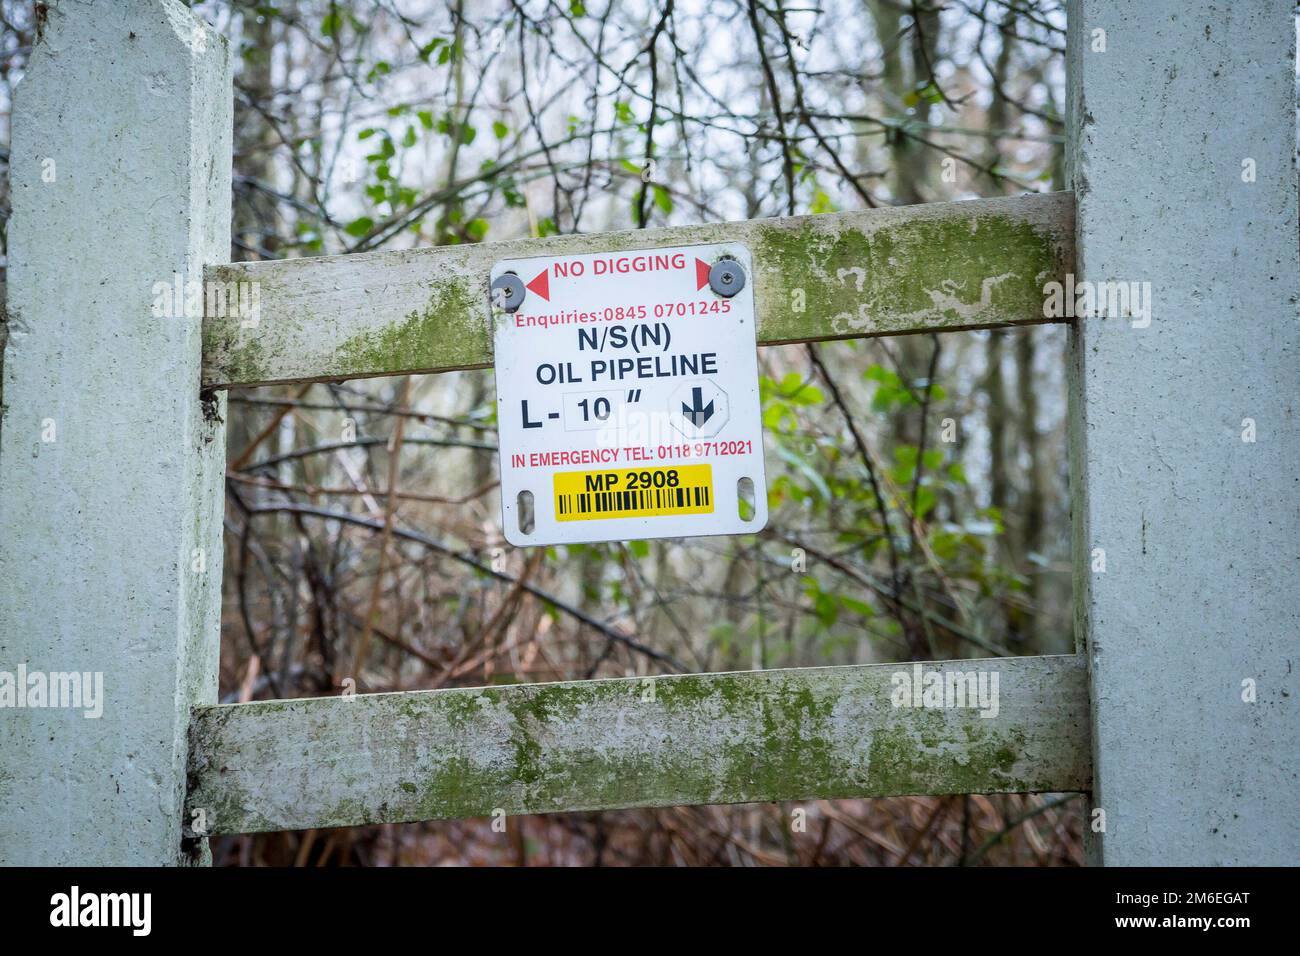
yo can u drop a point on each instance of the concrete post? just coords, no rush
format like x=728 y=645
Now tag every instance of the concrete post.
x=1186 y=440
x=110 y=462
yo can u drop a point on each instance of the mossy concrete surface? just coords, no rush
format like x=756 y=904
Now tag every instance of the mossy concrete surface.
x=695 y=739
x=937 y=266
x=111 y=464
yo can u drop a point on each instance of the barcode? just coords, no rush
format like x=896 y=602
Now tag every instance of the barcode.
x=667 y=500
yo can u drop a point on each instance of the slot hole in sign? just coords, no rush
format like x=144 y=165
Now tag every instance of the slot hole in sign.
x=745 y=499
x=524 y=512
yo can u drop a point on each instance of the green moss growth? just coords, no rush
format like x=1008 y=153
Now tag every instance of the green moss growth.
x=452 y=330
x=942 y=272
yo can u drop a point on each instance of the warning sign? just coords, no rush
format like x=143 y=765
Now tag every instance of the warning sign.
x=627 y=395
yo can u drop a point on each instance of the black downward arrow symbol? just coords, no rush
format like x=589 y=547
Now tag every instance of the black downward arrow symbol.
x=701 y=413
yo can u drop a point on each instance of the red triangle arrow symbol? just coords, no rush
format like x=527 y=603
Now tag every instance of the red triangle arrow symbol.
x=541 y=285
x=701 y=274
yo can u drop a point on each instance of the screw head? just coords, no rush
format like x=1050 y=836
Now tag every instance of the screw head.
x=726 y=277
x=508 y=292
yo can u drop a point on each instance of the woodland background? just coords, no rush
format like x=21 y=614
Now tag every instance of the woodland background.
x=922 y=477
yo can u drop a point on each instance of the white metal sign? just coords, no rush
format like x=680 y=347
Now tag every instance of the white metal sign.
x=627 y=395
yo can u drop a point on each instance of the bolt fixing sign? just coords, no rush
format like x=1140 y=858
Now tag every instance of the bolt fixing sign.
x=627 y=395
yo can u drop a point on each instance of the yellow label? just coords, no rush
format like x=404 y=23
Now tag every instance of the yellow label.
x=634 y=492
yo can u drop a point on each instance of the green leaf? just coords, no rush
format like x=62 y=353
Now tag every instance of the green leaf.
x=931 y=93
x=774 y=414
x=821 y=203
x=905 y=454
x=429 y=48
x=477 y=229
x=798 y=391
x=359 y=227
x=330 y=23
x=663 y=200
x=513 y=197
x=861 y=608
x=826 y=609
x=500 y=129
x=878 y=373
x=925 y=500
x=639 y=549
